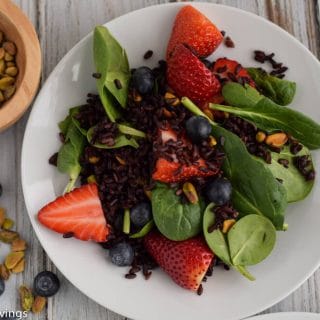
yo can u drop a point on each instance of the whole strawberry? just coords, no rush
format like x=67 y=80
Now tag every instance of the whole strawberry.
x=189 y=77
x=186 y=262
x=191 y=27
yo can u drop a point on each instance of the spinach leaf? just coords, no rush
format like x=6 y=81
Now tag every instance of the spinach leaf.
x=144 y=231
x=251 y=240
x=120 y=141
x=278 y=90
x=268 y=116
x=255 y=190
x=296 y=186
x=215 y=240
x=175 y=220
x=69 y=153
x=64 y=125
x=111 y=63
x=240 y=96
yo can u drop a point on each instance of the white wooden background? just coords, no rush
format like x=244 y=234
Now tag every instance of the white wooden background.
x=60 y=25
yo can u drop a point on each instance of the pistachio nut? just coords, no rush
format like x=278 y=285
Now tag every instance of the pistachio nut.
x=19 y=267
x=148 y=193
x=260 y=136
x=91 y=179
x=10 y=47
x=227 y=225
x=276 y=139
x=4 y=272
x=2 y=216
x=2 y=53
x=8 y=57
x=13 y=259
x=11 y=71
x=94 y=159
x=8 y=236
x=6 y=82
x=26 y=298
x=7 y=224
x=212 y=141
x=9 y=92
x=38 y=304
x=190 y=192
x=171 y=99
x=18 y=245
x=2 y=65
x=10 y=64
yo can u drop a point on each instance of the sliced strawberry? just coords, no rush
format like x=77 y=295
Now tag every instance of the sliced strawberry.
x=186 y=262
x=191 y=27
x=172 y=171
x=78 y=212
x=189 y=77
x=232 y=70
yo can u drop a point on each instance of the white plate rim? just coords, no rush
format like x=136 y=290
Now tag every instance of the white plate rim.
x=57 y=69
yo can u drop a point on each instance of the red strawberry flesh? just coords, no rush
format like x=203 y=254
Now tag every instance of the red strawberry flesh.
x=186 y=262
x=193 y=28
x=189 y=77
x=78 y=212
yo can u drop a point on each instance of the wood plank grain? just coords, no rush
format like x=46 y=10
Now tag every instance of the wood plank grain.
x=60 y=24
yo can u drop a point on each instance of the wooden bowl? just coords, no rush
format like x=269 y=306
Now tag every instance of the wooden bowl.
x=18 y=29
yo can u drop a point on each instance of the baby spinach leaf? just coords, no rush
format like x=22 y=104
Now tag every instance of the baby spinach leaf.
x=112 y=64
x=296 y=186
x=64 y=125
x=268 y=116
x=278 y=90
x=251 y=240
x=215 y=240
x=240 y=96
x=175 y=220
x=255 y=190
x=144 y=231
x=69 y=153
x=120 y=141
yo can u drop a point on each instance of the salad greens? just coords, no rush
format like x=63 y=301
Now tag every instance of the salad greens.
x=255 y=190
x=112 y=64
x=70 y=151
x=249 y=241
x=175 y=220
x=278 y=90
x=269 y=116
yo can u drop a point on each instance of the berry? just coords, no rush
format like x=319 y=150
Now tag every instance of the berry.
x=143 y=80
x=46 y=284
x=189 y=77
x=79 y=212
x=219 y=191
x=141 y=214
x=186 y=262
x=2 y=286
x=193 y=28
x=121 y=254
x=198 y=129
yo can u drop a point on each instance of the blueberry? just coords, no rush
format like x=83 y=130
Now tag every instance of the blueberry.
x=141 y=214
x=198 y=129
x=143 y=80
x=46 y=284
x=121 y=254
x=2 y=286
x=218 y=191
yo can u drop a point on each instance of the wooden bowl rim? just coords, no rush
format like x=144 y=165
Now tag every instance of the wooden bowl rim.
x=15 y=107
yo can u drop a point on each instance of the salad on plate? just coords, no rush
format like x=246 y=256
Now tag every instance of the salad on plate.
x=186 y=166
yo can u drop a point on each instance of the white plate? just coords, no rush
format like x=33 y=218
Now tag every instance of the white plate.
x=288 y=316
x=227 y=295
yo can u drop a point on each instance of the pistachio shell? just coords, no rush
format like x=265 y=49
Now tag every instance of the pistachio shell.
x=2 y=53
x=4 y=272
x=26 y=298
x=8 y=236
x=19 y=267
x=2 y=65
x=8 y=57
x=13 y=259
x=9 y=92
x=11 y=71
x=10 y=64
x=38 y=304
x=10 y=47
x=6 y=82
x=18 y=245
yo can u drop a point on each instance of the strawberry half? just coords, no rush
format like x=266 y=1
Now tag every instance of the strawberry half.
x=189 y=77
x=186 y=262
x=172 y=171
x=191 y=27
x=232 y=70
x=79 y=212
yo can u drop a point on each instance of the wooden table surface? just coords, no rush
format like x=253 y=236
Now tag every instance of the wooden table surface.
x=60 y=24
